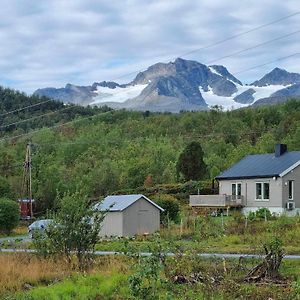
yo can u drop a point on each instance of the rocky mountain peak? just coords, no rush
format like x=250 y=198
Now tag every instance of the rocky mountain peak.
x=278 y=77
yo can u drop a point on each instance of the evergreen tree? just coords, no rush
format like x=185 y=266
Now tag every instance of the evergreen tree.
x=190 y=163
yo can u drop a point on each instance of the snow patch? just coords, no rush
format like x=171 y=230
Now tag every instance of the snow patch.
x=118 y=94
x=228 y=103
x=214 y=71
x=260 y=92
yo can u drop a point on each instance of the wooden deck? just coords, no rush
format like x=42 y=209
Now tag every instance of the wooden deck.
x=217 y=201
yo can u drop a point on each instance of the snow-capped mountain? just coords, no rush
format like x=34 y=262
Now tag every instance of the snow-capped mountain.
x=181 y=85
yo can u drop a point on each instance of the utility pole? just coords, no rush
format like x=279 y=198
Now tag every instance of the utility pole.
x=26 y=200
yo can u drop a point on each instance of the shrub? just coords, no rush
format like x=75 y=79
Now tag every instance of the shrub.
x=75 y=230
x=170 y=205
x=5 y=189
x=9 y=215
x=263 y=213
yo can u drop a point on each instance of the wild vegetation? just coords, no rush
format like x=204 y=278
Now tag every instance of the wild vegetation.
x=9 y=215
x=154 y=277
x=117 y=151
x=107 y=152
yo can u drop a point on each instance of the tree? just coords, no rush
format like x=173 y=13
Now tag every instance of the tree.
x=75 y=230
x=170 y=205
x=9 y=215
x=5 y=189
x=190 y=162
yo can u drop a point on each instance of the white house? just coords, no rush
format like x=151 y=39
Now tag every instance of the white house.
x=263 y=180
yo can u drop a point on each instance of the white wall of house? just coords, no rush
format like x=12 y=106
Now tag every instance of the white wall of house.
x=112 y=224
x=141 y=217
x=282 y=190
x=248 y=190
x=294 y=176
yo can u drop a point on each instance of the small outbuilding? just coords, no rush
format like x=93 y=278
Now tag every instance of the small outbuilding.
x=129 y=215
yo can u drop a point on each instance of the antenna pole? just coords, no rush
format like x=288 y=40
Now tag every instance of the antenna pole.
x=29 y=179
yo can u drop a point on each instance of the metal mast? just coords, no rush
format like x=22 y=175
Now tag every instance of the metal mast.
x=27 y=183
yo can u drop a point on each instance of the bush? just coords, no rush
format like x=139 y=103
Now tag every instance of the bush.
x=263 y=213
x=74 y=232
x=170 y=205
x=9 y=215
x=5 y=189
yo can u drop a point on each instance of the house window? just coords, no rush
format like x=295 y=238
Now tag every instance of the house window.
x=236 y=189
x=291 y=189
x=262 y=191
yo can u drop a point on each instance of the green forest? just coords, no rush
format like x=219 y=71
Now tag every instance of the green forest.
x=104 y=151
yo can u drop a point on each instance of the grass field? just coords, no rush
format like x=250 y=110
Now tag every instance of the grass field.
x=209 y=235
x=27 y=276
x=30 y=278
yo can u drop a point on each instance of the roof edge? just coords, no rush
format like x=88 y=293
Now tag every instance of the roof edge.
x=292 y=167
x=138 y=195
x=247 y=177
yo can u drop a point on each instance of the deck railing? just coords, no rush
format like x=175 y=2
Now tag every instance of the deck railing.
x=217 y=200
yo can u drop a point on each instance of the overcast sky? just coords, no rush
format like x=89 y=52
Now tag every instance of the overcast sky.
x=53 y=42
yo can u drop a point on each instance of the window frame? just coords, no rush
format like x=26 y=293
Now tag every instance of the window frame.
x=237 y=185
x=291 y=191
x=262 y=183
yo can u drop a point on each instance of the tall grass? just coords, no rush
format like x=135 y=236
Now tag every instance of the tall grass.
x=81 y=287
x=21 y=270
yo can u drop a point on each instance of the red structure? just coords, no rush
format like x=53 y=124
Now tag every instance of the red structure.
x=26 y=208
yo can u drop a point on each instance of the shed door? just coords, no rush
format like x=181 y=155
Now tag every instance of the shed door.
x=144 y=221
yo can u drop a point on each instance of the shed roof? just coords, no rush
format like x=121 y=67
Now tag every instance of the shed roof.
x=262 y=165
x=121 y=202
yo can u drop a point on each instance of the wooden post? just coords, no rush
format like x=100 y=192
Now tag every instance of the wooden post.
x=246 y=221
x=227 y=211
x=265 y=215
x=181 y=224
x=222 y=220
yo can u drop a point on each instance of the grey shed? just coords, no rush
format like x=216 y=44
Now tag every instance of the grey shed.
x=129 y=215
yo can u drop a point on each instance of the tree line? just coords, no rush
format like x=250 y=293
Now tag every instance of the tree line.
x=123 y=150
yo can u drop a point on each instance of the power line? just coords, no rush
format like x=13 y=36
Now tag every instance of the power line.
x=183 y=54
x=36 y=117
x=254 y=47
x=240 y=34
x=23 y=108
x=241 y=71
x=52 y=127
x=93 y=142
x=219 y=42
x=53 y=112
x=267 y=63
x=230 y=55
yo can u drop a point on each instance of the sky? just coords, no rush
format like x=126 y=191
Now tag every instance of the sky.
x=49 y=43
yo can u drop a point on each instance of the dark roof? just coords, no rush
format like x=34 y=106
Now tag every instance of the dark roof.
x=121 y=202
x=261 y=165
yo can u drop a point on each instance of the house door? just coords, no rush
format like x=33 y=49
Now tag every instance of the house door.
x=144 y=221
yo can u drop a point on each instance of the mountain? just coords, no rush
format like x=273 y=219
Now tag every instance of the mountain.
x=179 y=85
x=278 y=77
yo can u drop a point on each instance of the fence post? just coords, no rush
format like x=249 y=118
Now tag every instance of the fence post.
x=222 y=220
x=181 y=224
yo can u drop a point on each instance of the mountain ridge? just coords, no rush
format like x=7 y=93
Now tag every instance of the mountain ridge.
x=180 y=85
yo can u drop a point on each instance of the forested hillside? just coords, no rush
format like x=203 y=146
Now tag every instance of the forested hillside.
x=15 y=107
x=117 y=150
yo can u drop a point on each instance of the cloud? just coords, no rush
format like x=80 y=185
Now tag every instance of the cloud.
x=51 y=43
